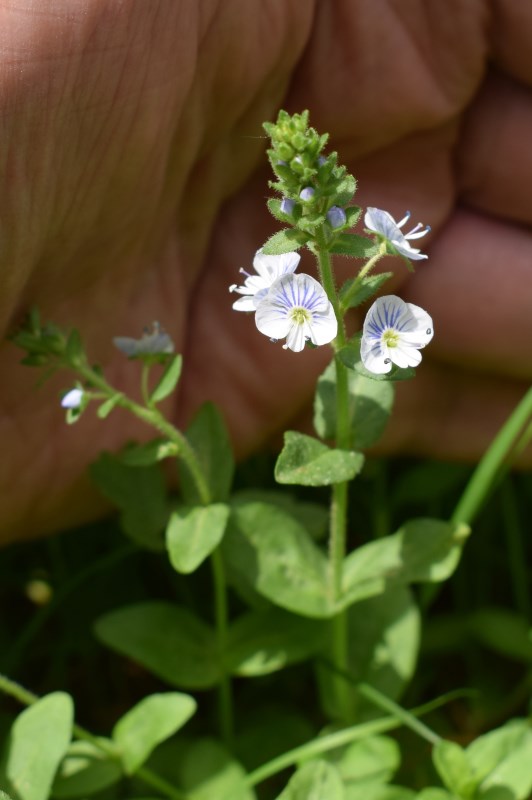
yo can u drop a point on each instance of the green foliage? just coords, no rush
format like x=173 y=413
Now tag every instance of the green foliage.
x=168 y=640
x=272 y=552
x=37 y=742
x=193 y=533
x=264 y=641
x=353 y=245
x=370 y=405
x=86 y=769
x=208 y=771
x=149 y=723
x=308 y=462
x=451 y=762
x=208 y=436
x=168 y=380
x=139 y=493
x=285 y=241
x=144 y=455
x=372 y=760
x=422 y=550
x=317 y=780
x=356 y=291
x=384 y=636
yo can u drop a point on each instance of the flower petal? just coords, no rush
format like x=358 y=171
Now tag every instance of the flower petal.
x=374 y=357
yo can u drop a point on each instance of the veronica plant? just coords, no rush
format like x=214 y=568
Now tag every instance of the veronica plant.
x=298 y=599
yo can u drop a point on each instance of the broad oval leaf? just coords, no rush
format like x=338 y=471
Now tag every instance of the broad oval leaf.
x=193 y=533
x=453 y=768
x=422 y=550
x=308 y=462
x=149 y=723
x=265 y=641
x=317 y=780
x=38 y=740
x=85 y=770
x=168 y=640
x=268 y=549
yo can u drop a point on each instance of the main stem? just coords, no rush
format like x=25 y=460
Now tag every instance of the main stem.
x=338 y=521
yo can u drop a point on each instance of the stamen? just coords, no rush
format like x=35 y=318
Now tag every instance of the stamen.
x=405 y=219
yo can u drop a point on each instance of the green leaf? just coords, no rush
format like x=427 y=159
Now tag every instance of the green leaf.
x=265 y=641
x=312 y=516
x=168 y=640
x=350 y=356
x=85 y=770
x=271 y=551
x=139 y=493
x=383 y=645
x=351 y=244
x=365 y=288
x=285 y=241
x=375 y=759
x=208 y=436
x=144 y=455
x=106 y=407
x=149 y=723
x=208 y=771
x=436 y=794
x=370 y=405
x=193 y=533
x=501 y=760
x=453 y=768
x=169 y=379
x=38 y=740
x=317 y=780
x=308 y=462
x=422 y=550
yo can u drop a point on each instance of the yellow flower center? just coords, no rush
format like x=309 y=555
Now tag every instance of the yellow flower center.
x=300 y=315
x=390 y=337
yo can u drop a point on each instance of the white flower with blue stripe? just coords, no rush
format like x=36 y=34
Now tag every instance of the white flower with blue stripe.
x=296 y=308
x=383 y=224
x=268 y=269
x=394 y=332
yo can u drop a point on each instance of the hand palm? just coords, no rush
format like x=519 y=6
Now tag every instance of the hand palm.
x=134 y=187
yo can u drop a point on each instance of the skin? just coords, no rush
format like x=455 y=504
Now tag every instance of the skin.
x=133 y=187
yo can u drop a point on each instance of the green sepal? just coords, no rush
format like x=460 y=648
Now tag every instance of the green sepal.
x=308 y=462
x=169 y=379
x=274 y=206
x=366 y=288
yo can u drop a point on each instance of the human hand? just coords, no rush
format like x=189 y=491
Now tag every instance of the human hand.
x=134 y=185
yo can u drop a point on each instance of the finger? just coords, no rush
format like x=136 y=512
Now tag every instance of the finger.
x=477 y=287
x=494 y=157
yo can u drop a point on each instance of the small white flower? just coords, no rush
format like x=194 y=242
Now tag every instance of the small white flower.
x=72 y=399
x=394 y=332
x=383 y=224
x=268 y=269
x=297 y=308
x=154 y=342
